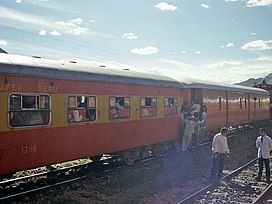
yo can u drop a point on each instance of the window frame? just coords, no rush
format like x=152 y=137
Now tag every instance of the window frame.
x=156 y=106
x=175 y=105
x=219 y=103
x=240 y=103
x=82 y=108
x=30 y=109
x=113 y=107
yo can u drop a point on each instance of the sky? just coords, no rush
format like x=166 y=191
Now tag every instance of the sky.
x=224 y=41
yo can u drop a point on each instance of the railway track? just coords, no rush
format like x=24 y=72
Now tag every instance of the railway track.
x=236 y=187
x=16 y=188
x=59 y=177
x=265 y=196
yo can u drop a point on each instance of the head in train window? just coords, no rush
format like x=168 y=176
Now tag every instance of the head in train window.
x=81 y=102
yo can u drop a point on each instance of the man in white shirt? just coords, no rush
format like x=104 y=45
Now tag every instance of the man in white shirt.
x=264 y=146
x=220 y=149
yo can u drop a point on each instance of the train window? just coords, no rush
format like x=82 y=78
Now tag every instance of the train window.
x=259 y=102
x=170 y=106
x=119 y=107
x=148 y=107
x=240 y=103
x=219 y=103
x=255 y=99
x=245 y=103
x=81 y=109
x=29 y=110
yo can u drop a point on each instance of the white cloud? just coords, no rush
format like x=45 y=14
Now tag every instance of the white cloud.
x=183 y=51
x=222 y=72
x=78 y=31
x=91 y=21
x=130 y=36
x=198 y=52
x=55 y=33
x=231 y=0
x=77 y=21
x=16 y=19
x=255 y=3
x=70 y=23
x=258 y=45
x=18 y=1
x=145 y=51
x=65 y=23
x=265 y=58
x=224 y=64
x=42 y=32
x=166 y=7
x=205 y=6
x=252 y=33
x=11 y=14
x=3 y=42
x=230 y=45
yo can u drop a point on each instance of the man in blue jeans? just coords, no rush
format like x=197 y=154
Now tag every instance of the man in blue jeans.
x=264 y=146
x=220 y=149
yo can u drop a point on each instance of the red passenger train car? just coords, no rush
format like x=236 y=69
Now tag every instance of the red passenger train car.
x=55 y=111
x=229 y=105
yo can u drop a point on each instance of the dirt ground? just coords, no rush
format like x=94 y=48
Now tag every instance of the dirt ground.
x=162 y=180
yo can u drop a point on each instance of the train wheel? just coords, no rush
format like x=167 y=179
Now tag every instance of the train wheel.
x=130 y=158
x=96 y=158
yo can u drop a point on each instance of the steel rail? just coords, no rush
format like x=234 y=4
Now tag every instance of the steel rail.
x=191 y=198
x=263 y=195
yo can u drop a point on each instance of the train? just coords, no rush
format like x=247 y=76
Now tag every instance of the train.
x=53 y=111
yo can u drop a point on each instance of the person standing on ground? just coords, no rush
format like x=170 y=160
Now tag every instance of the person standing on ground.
x=220 y=149
x=264 y=146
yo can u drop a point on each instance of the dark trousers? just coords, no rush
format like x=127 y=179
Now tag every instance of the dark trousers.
x=218 y=165
x=267 y=168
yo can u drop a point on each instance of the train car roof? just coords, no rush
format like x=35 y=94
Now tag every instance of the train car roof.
x=224 y=87
x=79 y=70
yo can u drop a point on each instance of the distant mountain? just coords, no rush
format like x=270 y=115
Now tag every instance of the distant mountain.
x=2 y=51
x=252 y=81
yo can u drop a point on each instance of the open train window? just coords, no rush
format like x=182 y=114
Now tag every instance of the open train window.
x=81 y=108
x=219 y=103
x=148 y=107
x=29 y=110
x=170 y=106
x=240 y=103
x=245 y=102
x=119 y=107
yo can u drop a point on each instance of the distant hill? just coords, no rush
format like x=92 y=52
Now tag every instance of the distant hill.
x=2 y=51
x=252 y=81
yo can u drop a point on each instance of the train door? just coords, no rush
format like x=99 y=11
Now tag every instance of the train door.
x=249 y=108
x=227 y=109
x=196 y=95
x=254 y=106
x=270 y=98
